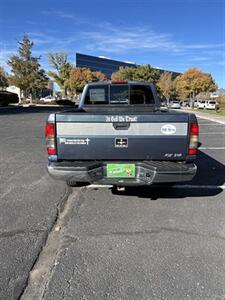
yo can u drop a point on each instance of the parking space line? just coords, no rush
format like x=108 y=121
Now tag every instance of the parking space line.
x=192 y=186
x=211 y=124
x=211 y=148
x=212 y=133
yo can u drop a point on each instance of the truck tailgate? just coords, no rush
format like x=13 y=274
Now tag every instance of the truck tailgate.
x=144 y=136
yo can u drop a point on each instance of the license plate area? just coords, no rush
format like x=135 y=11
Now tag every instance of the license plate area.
x=120 y=170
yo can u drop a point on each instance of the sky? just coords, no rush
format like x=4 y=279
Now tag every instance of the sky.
x=169 y=34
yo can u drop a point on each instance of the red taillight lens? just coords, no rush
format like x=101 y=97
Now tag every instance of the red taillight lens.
x=49 y=130
x=50 y=138
x=194 y=130
x=51 y=151
x=192 y=151
x=193 y=143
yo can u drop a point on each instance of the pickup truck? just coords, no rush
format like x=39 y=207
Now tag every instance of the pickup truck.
x=119 y=135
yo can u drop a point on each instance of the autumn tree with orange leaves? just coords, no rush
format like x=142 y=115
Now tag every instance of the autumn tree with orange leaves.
x=99 y=76
x=166 y=86
x=193 y=82
x=79 y=77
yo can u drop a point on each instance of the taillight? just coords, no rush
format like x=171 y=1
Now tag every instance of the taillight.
x=119 y=81
x=193 y=143
x=50 y=138
x=49 y=130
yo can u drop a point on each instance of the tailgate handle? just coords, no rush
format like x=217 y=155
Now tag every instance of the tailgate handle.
x=121 y=126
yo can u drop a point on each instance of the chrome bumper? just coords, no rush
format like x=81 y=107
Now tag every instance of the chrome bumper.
x=147 y=172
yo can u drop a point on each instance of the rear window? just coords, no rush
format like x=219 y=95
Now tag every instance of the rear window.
x=119 y=94
x=212 y=102
x=98 y=94
x=141 y=94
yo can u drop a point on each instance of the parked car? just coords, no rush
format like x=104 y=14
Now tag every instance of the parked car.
x=175 y=104
x=48 y=98
x=211 y=104
x=202 y=104
x=111 y=141
x=184 y=103
x=163 y=103
x=196 y=104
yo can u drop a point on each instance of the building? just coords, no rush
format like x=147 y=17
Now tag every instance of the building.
x=106 y=65
x=14 y=89
x=218 y=93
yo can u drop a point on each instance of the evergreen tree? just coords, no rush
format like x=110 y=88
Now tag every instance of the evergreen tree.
x=142 y=73
x=26 y=70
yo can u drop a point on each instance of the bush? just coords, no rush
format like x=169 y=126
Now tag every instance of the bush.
x=7 y=98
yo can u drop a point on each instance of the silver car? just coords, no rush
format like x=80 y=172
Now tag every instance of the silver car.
x=174 y=104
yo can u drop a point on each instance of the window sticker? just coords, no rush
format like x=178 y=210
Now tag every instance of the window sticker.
x=97 y=95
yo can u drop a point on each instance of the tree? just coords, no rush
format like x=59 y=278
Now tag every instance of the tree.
x=194 y=81
x=124 y=73
x=98 y=76
x=142 y=73
x=26 y=70
x=3 y=78
x=78 y=78
x=146 y=73
x=59 y=61
x=166 y=85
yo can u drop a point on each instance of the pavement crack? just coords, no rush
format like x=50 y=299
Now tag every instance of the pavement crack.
x=31 y=288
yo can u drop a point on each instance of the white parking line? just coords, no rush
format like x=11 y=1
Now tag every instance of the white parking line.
x=186 y=186
x=192 y=186
x=210 y=124
x=211 y=148
x=212 y=133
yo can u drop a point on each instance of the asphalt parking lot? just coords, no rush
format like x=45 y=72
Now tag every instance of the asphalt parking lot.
x=142 y=243
x=29 y=199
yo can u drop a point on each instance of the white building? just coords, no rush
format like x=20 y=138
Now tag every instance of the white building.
x=14 y=89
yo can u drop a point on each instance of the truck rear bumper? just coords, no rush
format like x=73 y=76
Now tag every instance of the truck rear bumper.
x=147 y=172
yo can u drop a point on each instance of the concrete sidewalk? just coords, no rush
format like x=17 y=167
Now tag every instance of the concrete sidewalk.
x=207 y=116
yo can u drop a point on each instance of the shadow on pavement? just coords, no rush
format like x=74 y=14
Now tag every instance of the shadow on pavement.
x=210 y=176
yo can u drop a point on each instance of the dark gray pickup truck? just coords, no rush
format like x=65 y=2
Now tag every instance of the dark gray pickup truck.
x=119 y=135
